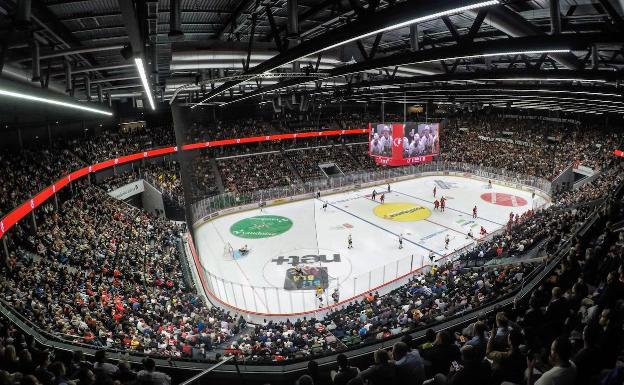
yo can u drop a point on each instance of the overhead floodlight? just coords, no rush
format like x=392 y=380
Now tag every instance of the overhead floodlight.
x=415 y=20
x=529 y=52
x=139 y=64
x=546 y=79
x=510 y=53
x=55 y=102
x=404 y=23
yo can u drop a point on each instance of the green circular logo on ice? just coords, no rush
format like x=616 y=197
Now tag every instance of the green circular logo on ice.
x=261 y=226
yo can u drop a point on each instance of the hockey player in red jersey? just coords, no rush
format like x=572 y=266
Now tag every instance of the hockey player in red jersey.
x=442 y=203
x=474 y=212
x=436 y=204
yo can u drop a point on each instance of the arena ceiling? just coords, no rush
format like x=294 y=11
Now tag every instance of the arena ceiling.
x=548 y=54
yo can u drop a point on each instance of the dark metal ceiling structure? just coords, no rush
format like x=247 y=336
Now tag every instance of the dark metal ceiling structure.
x=204 y=52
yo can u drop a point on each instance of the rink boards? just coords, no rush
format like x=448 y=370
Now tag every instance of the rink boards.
x=300 y=232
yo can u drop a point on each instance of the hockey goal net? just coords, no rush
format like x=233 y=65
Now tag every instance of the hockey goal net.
x=228 y=252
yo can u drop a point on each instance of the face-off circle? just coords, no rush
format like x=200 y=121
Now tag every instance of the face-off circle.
x=261 y=226
x=503 y=199
x=402 y=212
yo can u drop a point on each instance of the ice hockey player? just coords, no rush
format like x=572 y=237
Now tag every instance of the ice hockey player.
x=336 y=296
x=324 y=206
x=382 y=198
x=435 y=189
x=483 y=231
x=400 y=241
x=431 y=256
x=447 y=240
x=388 y=187
x=469 y=235
x=474 y=212
x=436 y=204
x=489 y=183
x=374 y=194
x=442 y=203
x=350 y=242
x=319 y=295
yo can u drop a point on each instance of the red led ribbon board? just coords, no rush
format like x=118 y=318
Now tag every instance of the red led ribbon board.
x=619 y=153
x=25 y=208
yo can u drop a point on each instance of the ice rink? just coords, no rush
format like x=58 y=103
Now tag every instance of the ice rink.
x=304 y=233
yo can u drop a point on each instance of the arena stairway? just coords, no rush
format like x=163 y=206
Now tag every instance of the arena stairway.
x=217 y=175
x=291 y=166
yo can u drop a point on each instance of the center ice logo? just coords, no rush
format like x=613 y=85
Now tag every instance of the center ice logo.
x=402 y=212
x=295 y=260
x=261 y=226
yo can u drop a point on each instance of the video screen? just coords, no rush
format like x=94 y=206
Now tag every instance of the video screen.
x=421 y=139
x=381 y=139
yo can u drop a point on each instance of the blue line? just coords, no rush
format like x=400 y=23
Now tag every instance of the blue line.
x=386 y=230
x=459 y=211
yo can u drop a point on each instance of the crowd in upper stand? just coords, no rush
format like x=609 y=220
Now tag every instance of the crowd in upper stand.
x=110 y=145
x=24 y=174
x=257 y=172
x=552 y=146
x=547 y=148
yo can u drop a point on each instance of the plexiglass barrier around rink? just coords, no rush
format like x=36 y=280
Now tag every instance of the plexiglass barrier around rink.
x=259 y=301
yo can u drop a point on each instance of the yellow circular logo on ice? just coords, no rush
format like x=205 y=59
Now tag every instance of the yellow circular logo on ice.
x=402 y=212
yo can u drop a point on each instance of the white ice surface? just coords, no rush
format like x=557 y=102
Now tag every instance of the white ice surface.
x=375 y=257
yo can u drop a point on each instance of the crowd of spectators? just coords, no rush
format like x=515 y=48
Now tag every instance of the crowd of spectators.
x=568 y=331
x=255 y=172
x=25 y=173
x=113 y=144
x=101 y=272
x=307 y=161
x=24 y=362
x=531 y=147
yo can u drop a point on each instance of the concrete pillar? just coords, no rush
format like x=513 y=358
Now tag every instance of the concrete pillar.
x=594 y=57
x=555 y=17
x=175 y=20
x=36 y=61
x=68 y=77
x=34 y=221
x=19 y=139
x=87 y=81
x=23 y=12
x=414 y=37
x=383 y=109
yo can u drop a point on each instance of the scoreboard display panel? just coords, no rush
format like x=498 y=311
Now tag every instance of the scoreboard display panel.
x=397 y=144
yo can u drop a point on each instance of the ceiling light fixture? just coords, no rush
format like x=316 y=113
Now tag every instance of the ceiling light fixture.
x=547 y=79
x=76 y=106
x=405 y=23
x=139 y=64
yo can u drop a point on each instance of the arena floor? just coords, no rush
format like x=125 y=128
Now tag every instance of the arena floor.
x=302 y=232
